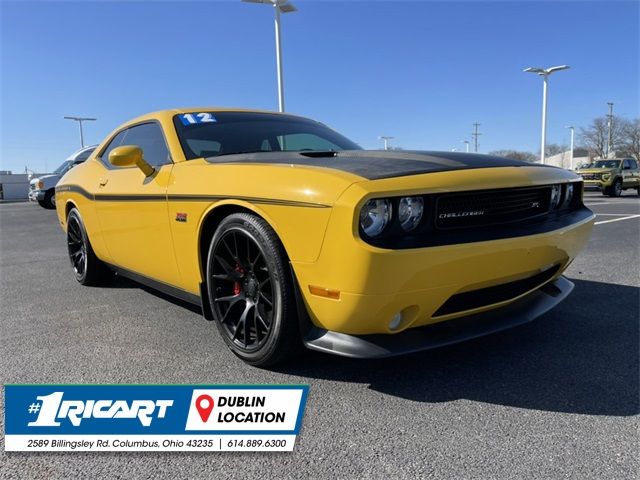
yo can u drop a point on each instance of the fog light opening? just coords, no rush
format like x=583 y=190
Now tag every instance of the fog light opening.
x=396 y=321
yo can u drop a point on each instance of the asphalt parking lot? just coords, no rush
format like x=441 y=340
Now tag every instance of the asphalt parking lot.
x=557 y=398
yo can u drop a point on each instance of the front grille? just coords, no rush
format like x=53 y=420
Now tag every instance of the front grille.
x=476 y=209
x=496 y=294
x=591 y=176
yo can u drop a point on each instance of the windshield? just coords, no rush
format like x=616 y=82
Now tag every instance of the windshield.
x=606 y=164
x=210 y=134
x=64 y=167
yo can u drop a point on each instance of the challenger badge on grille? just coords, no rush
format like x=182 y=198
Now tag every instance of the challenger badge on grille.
x=475 y=213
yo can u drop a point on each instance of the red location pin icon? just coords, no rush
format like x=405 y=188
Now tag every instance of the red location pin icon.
x=204 y=405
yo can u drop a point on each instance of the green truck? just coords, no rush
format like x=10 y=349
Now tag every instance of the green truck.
x=611 y=176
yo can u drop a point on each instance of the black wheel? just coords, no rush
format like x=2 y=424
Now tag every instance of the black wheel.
x=605 y=191
x=251 y=291
x=88 y=269
x=49 y=201
x=616 y=188
x=638 y=191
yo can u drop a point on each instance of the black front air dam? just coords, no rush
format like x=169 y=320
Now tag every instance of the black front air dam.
x=412 y=340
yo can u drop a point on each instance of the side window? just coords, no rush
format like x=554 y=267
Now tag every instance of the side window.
x=149 y=138
x=626 y=165
x=116 y=142
x=634 y=164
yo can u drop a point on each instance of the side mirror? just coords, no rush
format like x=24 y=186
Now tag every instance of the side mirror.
x=129 y=156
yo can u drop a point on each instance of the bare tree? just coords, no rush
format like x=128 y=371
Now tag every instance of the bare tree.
x=515 y=155
x=554 y=149
x=596 y=135
x=631 y=138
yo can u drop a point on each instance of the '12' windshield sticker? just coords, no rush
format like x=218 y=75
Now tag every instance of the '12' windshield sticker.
x=196 y=118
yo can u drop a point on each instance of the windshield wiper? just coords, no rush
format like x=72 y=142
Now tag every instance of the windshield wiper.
x=241 y=152
x=306 y=153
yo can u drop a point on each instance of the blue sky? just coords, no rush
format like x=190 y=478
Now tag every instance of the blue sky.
x=421 y=71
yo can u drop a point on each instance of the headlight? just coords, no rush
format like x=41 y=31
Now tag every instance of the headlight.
x=375 y=216
x=555 y=196
x=605 y=176
x=40 y=185
x=410 y=212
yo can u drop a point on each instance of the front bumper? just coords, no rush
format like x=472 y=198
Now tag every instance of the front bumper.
x=36 y=195
x=431 y=285
x=593 y=185
x=597 y=185
x=428 y=337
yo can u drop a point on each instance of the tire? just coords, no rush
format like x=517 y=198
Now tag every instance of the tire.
x=638 y=191
x=616 y=188
x=49 y=201
x=87 y=268
x=251 y=291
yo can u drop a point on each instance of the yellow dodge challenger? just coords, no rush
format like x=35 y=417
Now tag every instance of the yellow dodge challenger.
x=286 y=233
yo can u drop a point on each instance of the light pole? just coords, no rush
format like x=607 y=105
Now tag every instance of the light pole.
x=544 y=73
x=475 y=136
x=386 y=139
x=570 y=127
x=80 y=120
x=609 y=124
x=466 y=144
x=279 y=6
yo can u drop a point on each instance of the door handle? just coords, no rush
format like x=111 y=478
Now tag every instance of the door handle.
x=103 y=181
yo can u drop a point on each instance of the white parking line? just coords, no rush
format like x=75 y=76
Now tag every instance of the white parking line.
x=616 y=219
x=615 y=214
x=611 y=203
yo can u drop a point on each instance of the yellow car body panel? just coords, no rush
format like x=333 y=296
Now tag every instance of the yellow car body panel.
x=315 y=213
x=296 y=208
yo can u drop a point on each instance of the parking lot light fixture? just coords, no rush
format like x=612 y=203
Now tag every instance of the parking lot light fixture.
x=544 y=73
x=80 y=120
x=279 y=6
x=385 y=139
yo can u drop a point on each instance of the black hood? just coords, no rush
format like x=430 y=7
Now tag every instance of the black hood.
x=377 y=164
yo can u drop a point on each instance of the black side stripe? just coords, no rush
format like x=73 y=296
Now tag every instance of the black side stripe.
x=183 y=198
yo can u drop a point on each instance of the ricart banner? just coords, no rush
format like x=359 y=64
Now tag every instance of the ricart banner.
x=153 y=417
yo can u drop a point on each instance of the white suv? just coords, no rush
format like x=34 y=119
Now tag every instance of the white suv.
x=42 y=189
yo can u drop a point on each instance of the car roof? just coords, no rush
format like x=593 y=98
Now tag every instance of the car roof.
x=84 y=149
x=168 y=114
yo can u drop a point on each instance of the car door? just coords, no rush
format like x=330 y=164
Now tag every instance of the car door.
x=132 y=208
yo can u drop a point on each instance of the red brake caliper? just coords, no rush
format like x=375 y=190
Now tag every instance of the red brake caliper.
x=236 y=286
